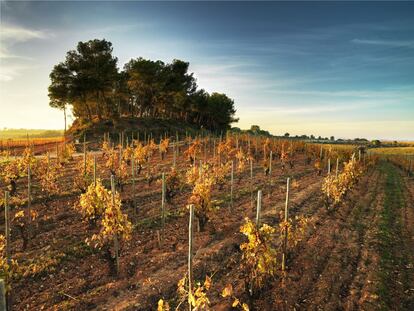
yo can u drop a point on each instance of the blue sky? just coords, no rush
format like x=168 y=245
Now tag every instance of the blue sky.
x=324 y=68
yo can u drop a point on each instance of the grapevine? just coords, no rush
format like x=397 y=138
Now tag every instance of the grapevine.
x=259 y=255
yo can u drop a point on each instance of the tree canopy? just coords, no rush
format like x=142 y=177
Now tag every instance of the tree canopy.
x=89 y=82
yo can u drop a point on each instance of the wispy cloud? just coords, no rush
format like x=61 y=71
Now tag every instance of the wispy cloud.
x=10 y=33
x=11 y=62
x=389 y=43
x=383 y=94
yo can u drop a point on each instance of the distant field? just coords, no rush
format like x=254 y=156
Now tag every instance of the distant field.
x=16 y=140
x=393 y=150
x=33 y=133
x=338 y=146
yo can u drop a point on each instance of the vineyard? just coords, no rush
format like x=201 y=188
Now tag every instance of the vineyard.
x=237 y=222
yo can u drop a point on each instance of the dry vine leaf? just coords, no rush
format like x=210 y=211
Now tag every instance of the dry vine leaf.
x=227 y=291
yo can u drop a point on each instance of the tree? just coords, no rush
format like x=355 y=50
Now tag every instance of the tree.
x=376 y=143
x=59 y=89
x=87 y=80
x=286 y=135
x=255 y=129
x=332 y=138
x=221 y=112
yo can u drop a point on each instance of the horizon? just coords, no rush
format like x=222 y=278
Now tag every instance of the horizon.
x=327 y=69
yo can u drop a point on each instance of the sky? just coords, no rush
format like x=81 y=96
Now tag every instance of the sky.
x=324 y=68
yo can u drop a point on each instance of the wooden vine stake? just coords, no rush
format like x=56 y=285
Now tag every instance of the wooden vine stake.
x=270 y=163
x=190 y=256
x=84 y=155
x=133 y=182
x=7 y=225
x=231 y=185
x=29 y=193
x=259 y=208
x=329 y=166
x=94 y=170
x=175 y=148
x=251 y=183
x=2 y=295
x=286 y=228
x=163 y=207
x=116 y=243
x=7 y=236
x=337 y=167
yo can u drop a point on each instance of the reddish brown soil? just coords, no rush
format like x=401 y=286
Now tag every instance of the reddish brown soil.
x=334 y=268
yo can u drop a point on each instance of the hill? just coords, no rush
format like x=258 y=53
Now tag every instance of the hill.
x=129 y=126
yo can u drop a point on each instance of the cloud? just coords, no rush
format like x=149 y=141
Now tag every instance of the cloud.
x=389 y=43
x=12 y=63
x=382 y=94
x=10 y=33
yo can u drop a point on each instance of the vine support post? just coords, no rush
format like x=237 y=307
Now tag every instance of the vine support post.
x=133 y=182
x=29 y=192
x=190 y=256
x=205 y=149
x=174 y=153
x=329 y=166
x=337 y=167
x=321 y=153
x=285 y=241
x=94 y=170
x=251 y=183
x=214 y=147
x=255 y=149
x=7 y=226
x=270 y=163
x=231 y=185
x=248 y=145
x=116 y=242
x=163 y=207
x=259 y=208
x=3 y=305
x=7 y=236
x=84 y=155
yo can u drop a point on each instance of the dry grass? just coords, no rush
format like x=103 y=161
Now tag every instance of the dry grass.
x=393 y=150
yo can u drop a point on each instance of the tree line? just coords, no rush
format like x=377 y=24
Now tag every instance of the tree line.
x=89 y=82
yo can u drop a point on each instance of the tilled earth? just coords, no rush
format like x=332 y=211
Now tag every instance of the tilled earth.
x=343 y=262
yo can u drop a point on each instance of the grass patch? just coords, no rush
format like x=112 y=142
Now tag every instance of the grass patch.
x=394 y=279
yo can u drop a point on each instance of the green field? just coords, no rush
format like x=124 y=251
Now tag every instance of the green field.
x=33 y=133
